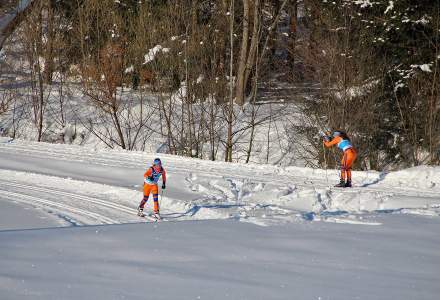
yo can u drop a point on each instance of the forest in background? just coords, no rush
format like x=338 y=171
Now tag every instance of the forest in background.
x=373 y=66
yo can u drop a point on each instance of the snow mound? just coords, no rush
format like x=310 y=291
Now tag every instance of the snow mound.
x=422 y=177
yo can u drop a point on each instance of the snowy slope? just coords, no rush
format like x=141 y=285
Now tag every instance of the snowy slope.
x=199 y=189
x=86 y=241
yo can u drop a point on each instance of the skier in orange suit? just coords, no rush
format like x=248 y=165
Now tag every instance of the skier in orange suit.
x=343 y=142
x=151 y=178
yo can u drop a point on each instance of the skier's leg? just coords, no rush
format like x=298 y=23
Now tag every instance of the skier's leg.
x=350 y=158
x=343 y=171
x=349 y=174
x=147 y=190
x=344 y=167
x=155 y=191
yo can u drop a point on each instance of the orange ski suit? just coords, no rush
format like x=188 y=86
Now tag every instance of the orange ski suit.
x=347 y=159
x=151 y=177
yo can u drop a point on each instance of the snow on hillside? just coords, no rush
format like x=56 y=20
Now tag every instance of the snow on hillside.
x=231 y=231
x=71 y=118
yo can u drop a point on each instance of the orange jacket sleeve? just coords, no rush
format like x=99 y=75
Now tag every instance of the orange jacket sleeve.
x=148 y=173
x=333 y=142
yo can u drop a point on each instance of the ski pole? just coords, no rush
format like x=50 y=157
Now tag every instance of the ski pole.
x=325 y=162
x=337 y=163
x=161 y=196
x=325 y=159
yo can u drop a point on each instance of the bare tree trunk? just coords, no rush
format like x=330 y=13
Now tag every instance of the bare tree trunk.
x=193 y=16
x=345 y=68
x=222 y=42
x=254 y=43
x=433 y=139
x=251 y=139
x=293 y=31
x=118 y=127
x=239 y=98
x=49 y=49
x=41 y=102
x=228 y=154
x=268 y=135
x=37 y=40
x=188 y=101
x=212 y=135
x=61 y=100
x=254 y=114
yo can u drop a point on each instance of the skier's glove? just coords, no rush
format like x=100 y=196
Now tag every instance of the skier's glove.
x=324 y=136
x=163 y=186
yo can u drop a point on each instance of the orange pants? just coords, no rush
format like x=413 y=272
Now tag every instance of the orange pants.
x=347 y=162
x=150 y=188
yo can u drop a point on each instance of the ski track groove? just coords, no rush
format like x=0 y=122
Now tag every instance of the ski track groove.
x=56 y=192
x=115 y=206
x=45 y=204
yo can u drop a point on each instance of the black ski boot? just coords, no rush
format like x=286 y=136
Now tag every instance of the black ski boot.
x=348 y=183
x=341 y=183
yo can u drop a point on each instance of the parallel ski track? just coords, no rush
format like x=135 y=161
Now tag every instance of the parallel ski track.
x=115 y=160
x=39 y=202
x=31 y=199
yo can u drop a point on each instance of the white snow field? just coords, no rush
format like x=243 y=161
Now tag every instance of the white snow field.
x=69 y=230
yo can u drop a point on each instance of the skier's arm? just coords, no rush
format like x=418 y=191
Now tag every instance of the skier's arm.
x=333 y=142
x=164 y=178
x=148 y=173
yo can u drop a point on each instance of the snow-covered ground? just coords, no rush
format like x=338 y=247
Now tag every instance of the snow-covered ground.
x=68 y=229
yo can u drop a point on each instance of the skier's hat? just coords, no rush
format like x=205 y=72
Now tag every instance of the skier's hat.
x=157 y=162
x=337 y=133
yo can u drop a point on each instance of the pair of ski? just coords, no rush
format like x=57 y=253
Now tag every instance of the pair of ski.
x=152 y=216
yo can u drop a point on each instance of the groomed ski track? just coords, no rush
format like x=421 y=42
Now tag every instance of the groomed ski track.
x=177 y=165
x=197 y=189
